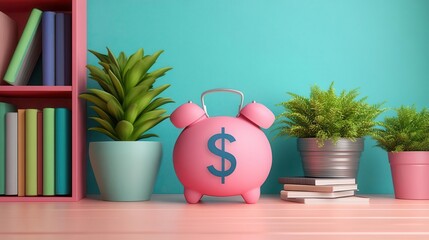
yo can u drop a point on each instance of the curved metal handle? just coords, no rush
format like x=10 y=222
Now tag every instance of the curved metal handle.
x=222 y=90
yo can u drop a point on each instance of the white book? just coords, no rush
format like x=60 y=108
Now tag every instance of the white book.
x=11 y=187
x=302 y=194
x=336 y=201
x=316 y=181
x=327 y=188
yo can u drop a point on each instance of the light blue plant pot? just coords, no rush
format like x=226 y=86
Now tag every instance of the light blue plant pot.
x=125 y=170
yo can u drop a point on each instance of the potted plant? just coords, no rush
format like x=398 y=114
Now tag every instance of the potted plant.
x=126 y=107
x=406 y=139
x=330 y=130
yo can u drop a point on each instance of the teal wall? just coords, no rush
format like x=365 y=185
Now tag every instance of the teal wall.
x=266 y=48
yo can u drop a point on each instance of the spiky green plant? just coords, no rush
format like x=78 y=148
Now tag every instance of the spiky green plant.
x=127 y=104
x=325 y=115
x=407 y=131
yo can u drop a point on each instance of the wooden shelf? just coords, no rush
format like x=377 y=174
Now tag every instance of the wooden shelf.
x=37 y=199
x=25 y=5
x=36 y=91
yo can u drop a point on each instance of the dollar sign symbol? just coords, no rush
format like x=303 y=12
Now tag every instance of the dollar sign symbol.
x=221 y=153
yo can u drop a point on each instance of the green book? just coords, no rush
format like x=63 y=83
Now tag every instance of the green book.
x=4 y=108
x=62 y=151
x=27 y=51
x=49 y=151
x=31 y=152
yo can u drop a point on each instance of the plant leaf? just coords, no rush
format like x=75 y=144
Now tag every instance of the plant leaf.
x=105 y=124
x=102 y=114
x=104 y=131
x=133 y=60
x=115 y=109
x=137 y=72
x=149 y=116
x=124 y=129
x=145 y=100
x=117 y=85
x=142 y=128
x=105 y=96
x=131 y=113
x=147 y=136
x=137 y=92
x=157 y=103
x=101 y=57
x=159 y=72
x=122 y=61
x=94 y=99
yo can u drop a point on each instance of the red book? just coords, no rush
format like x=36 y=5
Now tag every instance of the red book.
x=39 y=153
x=21 y=152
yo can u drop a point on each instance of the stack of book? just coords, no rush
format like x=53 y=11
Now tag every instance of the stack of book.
x=320 y=190
x=45 y=32
x=35 y=151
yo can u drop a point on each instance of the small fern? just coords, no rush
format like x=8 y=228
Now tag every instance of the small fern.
x=325 y=115
x=407 y=131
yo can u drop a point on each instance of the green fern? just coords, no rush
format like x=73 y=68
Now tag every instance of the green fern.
x=325 y=115
x=407 y=131
x=127 y=105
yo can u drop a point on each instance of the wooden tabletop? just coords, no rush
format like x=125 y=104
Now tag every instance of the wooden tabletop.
x=169 y=217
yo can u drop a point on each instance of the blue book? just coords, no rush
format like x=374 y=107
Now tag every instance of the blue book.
x=62 y=151
x=62 y=49
x=67 y=49
x=48 y=48
x=4 y=108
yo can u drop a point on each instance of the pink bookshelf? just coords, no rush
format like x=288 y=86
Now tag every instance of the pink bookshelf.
x=56 y=96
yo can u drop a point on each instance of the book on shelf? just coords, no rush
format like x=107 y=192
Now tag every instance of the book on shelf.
x=48 y=151
x=4 y=109
x=21 y=152
x=11 y=174
x=31 y=152
x=27 y=51
x=62 y=49
x=39 y=153
x=48 y=48
x=316 y=181
x=324 y=188
x=302 y=194
x=67 y=49
x=62 y=151
x=336 y=201
x=8 y=40
x=24 y=30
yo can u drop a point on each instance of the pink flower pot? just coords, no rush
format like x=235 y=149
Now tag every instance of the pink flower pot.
x=410 y=174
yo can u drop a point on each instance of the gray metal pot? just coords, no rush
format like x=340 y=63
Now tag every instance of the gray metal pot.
x=331 y=160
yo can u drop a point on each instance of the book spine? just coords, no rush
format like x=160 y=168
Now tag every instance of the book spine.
x=48 y=151
x=59 y=50
x=21 y=152
x=67 y=49
x=9 y=30
x=14 y=74
x=48 y=48
x=62 y=151
x=4 y=108
x=39 y=153
x=11 y=153
x=31 y=152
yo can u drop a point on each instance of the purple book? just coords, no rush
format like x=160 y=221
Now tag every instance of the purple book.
x=48 y=48
x=62 y=49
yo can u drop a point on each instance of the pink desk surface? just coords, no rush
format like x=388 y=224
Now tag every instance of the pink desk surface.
x=169 y=217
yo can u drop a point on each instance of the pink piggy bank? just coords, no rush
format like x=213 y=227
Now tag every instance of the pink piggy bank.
x=222 y=156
